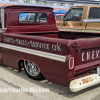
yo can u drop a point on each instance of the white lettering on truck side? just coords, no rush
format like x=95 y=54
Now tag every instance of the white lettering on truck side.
x=56 y=47
x=34 y=44
x=97 y=53
x=90 y=55
x=82 y=56
x=93 y=54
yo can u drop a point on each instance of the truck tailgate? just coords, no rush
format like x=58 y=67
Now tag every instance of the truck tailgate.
x=87 y=55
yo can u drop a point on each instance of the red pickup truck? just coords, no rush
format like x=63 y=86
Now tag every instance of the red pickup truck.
x=45 y=52
x=59 y=17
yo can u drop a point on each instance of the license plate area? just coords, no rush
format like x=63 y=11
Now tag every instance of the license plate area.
x=98 y=70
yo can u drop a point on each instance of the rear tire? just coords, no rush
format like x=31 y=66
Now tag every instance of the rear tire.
x=21 y=64
x=32 y=70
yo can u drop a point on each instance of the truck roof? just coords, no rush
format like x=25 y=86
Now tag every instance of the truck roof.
x=93 y=5
x=24 y=6
x=88 y=6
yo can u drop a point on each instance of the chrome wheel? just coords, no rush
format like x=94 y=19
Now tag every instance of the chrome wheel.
x=31 y=68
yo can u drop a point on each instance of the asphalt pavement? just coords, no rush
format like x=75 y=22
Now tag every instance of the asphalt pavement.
x=16 y=85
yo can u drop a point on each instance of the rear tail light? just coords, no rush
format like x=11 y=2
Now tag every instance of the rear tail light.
x=71 y=63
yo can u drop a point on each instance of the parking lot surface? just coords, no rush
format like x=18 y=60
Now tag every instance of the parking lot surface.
x=11 y=79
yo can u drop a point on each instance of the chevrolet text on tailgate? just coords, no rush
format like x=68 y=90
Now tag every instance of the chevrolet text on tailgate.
x=68 y=55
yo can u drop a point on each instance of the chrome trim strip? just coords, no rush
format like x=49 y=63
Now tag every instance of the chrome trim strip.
x=92 y=31
x=2 y=17
x=91 y=20
x=35 y=52
x=69 y=29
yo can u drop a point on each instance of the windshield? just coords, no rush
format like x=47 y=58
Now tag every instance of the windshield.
x=74 y=14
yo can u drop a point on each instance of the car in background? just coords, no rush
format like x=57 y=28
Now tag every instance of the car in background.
x=59 y=17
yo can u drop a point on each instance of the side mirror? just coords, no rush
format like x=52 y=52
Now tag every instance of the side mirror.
x=65 y=22
x=64 y=19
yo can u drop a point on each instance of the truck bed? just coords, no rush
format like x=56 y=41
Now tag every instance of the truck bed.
x=85 y=52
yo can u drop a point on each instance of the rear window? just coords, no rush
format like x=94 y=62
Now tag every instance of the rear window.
x=94 y=12
x=32 y=18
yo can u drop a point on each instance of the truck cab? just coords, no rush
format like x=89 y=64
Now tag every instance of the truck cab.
x=84 y=19
x=28 y=19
